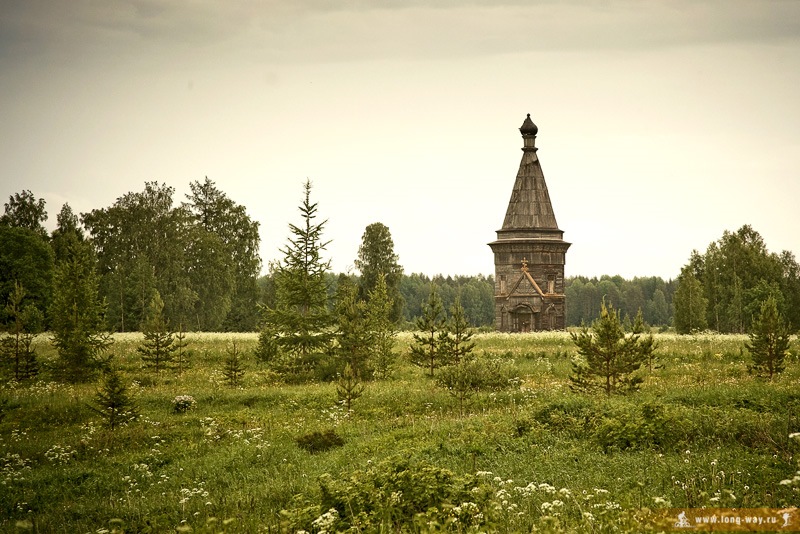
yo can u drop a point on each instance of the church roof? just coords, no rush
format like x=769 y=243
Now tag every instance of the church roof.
x=530 y=207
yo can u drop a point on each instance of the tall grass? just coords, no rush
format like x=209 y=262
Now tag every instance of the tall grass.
x=702 y=431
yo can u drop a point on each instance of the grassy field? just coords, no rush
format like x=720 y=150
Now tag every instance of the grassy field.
x=701 y=432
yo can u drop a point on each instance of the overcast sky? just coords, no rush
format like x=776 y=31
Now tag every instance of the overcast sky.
x=661 y=124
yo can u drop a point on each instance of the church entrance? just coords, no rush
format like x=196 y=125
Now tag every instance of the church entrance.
x=523 y=319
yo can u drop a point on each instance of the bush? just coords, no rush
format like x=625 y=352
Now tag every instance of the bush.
x=183 y=403
x=638 y=427
x=319 y=441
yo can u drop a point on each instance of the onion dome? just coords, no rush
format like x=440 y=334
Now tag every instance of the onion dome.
x=528 y=127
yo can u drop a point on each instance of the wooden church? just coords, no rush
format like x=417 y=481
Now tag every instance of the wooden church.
x=529 y=252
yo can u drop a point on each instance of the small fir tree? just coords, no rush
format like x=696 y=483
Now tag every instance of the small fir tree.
x=611 y=357
x=349 y=387
x=182 y=353
x=426 y=350
x=158 y=348
x=379 y=313
x=769 y=341
x=112 y=401
x=233 y=369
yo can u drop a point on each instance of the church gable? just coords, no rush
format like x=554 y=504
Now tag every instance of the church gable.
x=525 y=285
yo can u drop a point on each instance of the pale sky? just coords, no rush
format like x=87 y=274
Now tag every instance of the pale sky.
x=661 y=124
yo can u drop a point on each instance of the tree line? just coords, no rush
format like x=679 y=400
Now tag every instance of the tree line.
x=201 y=258
x=725 y=288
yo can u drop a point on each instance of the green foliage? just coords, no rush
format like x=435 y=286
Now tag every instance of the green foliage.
x=24 y=210
x=77 y=316
x=642 y=427
x=690 y=304
x=234 y=368
x=376 y=258
x=610 y=357
x=738 y=273
x=239 y=238
x=652 y=295
x=112 y=401
x=201 y=257
x=426 y=351
x=27 y=259
x=301 y=317
x=158 y=348
x=349 y=387
x=769 y=341
x=319 y=441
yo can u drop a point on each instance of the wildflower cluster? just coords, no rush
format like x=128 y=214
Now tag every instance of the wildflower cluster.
x=13 y=468
x=60 y=454
x=183 y=403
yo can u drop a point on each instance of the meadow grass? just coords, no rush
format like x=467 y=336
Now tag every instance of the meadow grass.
x=701 y=432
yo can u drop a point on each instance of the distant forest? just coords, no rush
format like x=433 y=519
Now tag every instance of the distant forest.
x=584 y=295
x=201 y=258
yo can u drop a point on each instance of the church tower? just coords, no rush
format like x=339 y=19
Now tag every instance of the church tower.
x=529 y=252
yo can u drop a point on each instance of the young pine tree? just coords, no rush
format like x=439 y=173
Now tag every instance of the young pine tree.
x=769 y=341
x=158 y=347
x=611 y=356
x=426 y=351
x=457 y=344
x=349 y=387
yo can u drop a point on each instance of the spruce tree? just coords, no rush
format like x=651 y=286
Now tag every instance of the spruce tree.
x=769 y=341
x=112 y=401
x=426 y=351
x=379 y=309
x=301 y=319
x=76 y=315
x=158 y=348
